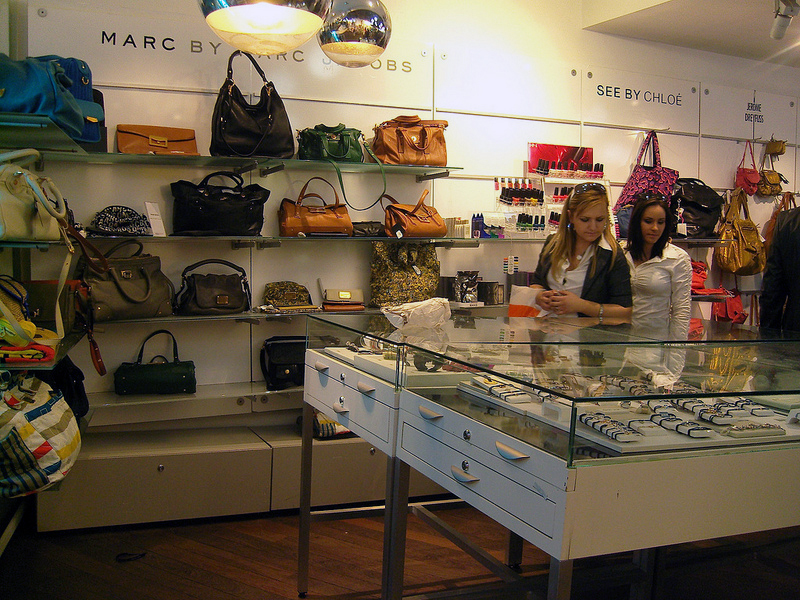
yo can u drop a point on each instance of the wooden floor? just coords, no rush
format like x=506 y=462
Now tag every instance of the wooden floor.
x=255 y=559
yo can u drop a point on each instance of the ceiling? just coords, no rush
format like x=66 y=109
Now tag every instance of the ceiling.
x=734 y=27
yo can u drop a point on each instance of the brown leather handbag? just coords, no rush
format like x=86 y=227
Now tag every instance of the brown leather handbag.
x=413 y=220
x=152 y=139
x=408 y=140
x=301 y=219
x=741 y=250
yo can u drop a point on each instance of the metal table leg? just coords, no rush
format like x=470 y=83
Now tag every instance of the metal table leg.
x=559 y=582
x=304 y=542
x=514 y=550
x=394 y=531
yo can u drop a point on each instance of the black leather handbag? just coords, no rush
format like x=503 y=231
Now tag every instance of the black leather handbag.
x=206 y=209
x=699 y=207
x=239 y=128
x=213 y=294
x=282 y=360
x=159 y=376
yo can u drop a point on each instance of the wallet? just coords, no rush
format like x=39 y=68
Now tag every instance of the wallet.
x=342 y=300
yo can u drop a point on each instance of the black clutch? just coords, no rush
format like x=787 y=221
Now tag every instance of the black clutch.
x=159 y=376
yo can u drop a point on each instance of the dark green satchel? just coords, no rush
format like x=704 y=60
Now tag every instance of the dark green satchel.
x=322 y=142
x=162 y=377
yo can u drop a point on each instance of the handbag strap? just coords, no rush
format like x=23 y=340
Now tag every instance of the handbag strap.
x=650 y=141
x=744 y=155
x=20 y=157
x=341 y=181
x=420 y=206
x=237 y=179
x=155 y=333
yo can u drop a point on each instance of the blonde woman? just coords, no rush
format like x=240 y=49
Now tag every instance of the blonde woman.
x=582 y=271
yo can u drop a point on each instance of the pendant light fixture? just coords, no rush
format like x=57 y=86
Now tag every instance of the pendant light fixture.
x=356 y=32
x=265 y=27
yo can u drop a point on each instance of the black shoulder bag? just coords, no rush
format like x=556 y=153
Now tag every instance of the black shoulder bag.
x=239 y=128
x=213 y=294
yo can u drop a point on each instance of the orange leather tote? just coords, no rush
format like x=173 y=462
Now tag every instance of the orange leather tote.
x=413 y=220
x=408 y=140
x=298 y=218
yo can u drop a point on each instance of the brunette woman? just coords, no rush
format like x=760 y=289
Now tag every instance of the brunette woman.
x=661 y=273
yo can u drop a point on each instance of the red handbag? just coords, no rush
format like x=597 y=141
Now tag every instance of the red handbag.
x=747 y=178
x=731 y=309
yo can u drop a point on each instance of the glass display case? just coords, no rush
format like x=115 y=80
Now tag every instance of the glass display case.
x=582 y=390
x=569 y=431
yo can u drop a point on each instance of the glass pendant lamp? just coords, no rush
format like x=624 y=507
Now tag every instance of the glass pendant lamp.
x=265 y=27
x=356 y=32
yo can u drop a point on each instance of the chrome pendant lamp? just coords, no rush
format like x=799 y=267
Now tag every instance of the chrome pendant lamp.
x=265 y=27
x=356 y=32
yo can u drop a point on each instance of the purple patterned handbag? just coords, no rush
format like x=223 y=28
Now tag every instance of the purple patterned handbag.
x=643 y=179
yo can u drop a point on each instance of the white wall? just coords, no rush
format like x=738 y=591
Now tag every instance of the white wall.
x=503 y=74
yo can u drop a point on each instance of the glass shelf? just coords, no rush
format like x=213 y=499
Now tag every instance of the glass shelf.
x=35 y=131
x=63 y=348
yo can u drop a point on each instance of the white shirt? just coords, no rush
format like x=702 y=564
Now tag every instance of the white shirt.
x=662 y=288
x=561 y=279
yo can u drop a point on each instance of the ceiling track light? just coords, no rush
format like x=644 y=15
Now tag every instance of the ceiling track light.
x=785 y=11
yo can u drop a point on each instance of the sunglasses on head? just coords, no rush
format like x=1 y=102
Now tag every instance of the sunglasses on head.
x=582 y=188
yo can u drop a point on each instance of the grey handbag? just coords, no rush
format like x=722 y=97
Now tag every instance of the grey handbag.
x=133 y=288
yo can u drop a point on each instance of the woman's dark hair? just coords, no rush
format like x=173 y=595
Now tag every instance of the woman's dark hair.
x=635 y=238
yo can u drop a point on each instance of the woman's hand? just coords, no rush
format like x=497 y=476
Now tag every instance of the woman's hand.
x=563 y=302
x=543 y=299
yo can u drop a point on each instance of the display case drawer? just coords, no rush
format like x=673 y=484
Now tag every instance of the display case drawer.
x=504 y=453
x=359 y=411
x=353 y=378
x=139 y=477
x=506 y=500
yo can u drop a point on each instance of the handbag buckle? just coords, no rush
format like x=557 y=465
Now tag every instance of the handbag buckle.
x=223 y=300
x=126 y=274
x=158 y=141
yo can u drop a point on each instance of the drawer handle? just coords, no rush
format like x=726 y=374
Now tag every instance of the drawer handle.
x=428 y=414
x=509 y=453
x=463 y=476
x=321 y=367
x=364 y=388
x=339 y=408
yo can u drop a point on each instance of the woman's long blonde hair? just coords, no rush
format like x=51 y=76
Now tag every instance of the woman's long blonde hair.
x=562 y=244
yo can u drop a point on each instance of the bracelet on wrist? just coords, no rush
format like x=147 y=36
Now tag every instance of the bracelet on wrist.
x=600 y=314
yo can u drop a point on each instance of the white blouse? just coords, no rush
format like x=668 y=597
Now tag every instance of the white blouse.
x=661 y=290
x=560 y=278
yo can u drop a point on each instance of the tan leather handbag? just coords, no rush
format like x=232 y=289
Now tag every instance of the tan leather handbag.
x=741 y=251
x=298 y=218
x=413 y=220
x=408 y=140
x=152 y=139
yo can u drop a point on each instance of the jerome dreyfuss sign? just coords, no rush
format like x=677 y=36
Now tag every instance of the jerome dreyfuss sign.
x=176 y=51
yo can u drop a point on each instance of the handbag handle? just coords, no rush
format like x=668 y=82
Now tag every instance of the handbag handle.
x=113 y=273
x=303 y=195
x=21 y=157
x=651 y=141
x=744 y=155
x=155 y=333
x=237 y=179
x=124 y=243
x=420 y=206
x=217 y=261
x=252 y=60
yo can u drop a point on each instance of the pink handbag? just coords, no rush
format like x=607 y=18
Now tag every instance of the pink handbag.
x=644 y=179
x=747 y=178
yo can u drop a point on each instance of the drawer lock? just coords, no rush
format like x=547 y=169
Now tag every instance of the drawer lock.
x=467 y=434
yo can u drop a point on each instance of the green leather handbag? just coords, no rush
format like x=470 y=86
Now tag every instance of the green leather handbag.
x=159 y=376
x=322 y=142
